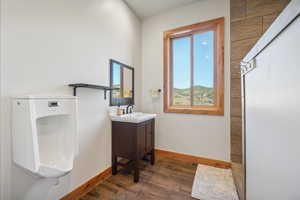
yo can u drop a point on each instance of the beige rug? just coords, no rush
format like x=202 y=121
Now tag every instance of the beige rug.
x=212 y=183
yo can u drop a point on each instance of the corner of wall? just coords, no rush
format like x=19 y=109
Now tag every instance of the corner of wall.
x=5 y=161
x=1 y=124
x=1 y=141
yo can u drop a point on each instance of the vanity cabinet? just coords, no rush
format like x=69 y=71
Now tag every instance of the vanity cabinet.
x=132 y=141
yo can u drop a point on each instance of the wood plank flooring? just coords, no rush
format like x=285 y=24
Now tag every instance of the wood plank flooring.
x=168 y=179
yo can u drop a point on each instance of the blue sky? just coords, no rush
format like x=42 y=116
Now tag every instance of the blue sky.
x=116 y=74
x=203 y=61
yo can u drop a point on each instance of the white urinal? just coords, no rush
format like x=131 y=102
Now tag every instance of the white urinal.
x=44 y=133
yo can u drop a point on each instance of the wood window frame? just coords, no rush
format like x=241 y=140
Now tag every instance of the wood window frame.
x=217 y=25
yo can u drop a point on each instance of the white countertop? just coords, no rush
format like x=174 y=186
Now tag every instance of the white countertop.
x=136 y=117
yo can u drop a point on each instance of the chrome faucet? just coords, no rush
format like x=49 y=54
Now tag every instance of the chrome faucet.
x=129 y=110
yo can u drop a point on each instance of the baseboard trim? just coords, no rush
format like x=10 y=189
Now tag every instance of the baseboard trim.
x=193 y=159
x=88 y=186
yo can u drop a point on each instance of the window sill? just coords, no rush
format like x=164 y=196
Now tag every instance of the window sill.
x=195 y=110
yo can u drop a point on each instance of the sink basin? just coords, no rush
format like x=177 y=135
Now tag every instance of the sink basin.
x=135 y=117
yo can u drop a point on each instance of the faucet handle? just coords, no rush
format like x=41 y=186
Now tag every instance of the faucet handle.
x=131 y=109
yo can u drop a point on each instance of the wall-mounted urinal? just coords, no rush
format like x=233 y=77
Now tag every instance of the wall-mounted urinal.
x=44 y=134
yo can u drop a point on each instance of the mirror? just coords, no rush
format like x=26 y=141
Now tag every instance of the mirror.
x=122 y=82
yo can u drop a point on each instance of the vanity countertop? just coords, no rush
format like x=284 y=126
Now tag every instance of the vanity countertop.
x=136 y=117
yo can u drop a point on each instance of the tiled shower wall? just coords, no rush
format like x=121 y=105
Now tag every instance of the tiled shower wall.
x=249 y=20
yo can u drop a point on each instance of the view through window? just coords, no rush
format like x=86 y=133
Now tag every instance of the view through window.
x=194 y=68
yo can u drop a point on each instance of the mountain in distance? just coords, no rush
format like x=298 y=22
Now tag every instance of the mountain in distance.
x=202 y=96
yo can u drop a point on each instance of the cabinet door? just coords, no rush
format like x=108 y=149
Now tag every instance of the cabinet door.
x=141 y=140
x=123 y=140
x=149 y=135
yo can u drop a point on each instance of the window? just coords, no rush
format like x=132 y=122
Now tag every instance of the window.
x=194 y=68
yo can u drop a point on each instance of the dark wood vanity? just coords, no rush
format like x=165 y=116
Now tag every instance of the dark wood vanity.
x=132 y=141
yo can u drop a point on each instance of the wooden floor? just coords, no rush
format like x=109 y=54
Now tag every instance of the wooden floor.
x=168 y=179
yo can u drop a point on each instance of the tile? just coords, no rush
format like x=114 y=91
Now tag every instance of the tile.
x=236 y=139
x=235 y=69
x=236 y=126
x=268 y=20
x=240 y=48
x=264 y=7
x=236 y=145
x=237 y=9
x=235 y=87
x=246 y=28
x=236 y=158
x=236 y=107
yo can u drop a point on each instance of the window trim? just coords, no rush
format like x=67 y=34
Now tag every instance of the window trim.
x=187 y=31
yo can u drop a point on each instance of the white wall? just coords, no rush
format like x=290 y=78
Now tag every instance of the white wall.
x=200 y=135
x=4 y=159
x=49 y=44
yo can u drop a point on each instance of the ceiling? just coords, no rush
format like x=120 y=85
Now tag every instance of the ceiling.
x=147 y=8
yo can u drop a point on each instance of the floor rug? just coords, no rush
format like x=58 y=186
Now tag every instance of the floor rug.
x=212 y=183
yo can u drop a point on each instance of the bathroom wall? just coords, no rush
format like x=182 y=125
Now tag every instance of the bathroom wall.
x=199 y=135
x=3 y=158
x=49 y=44
x=249 y=20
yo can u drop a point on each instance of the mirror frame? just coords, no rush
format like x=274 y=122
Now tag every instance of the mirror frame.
x=123 y=101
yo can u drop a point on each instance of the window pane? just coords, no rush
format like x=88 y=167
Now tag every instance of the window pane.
x=181 y=51
x=204 y=69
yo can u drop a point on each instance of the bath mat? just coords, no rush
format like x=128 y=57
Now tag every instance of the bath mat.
x=212 y=183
